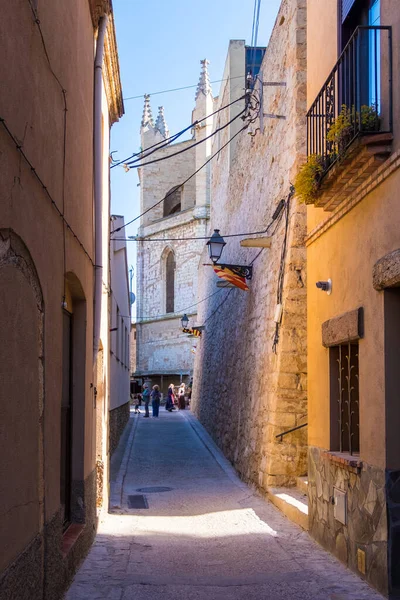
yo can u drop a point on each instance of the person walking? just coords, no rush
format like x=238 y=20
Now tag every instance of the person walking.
x=138 y=403
x=169 y=405
x=155 y=400
x=146 y=398
x=181 y=397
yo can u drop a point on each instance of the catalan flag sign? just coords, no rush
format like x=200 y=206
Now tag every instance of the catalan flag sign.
x=231 y=277
x=192 y=331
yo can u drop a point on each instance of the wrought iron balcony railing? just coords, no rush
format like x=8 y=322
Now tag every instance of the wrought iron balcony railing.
x=356 y=99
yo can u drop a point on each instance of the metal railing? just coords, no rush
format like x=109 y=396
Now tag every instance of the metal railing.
x=356 y=98
x=280 y=435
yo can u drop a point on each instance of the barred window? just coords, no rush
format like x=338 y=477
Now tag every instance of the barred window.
x=344 y=401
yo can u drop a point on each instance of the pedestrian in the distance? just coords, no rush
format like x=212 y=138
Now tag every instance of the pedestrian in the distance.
x=138 y=403
x=181 y=397
x=169 y=405
x=146 y=398
x=155 y=400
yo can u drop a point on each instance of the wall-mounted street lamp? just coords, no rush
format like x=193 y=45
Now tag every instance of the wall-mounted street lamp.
x=215 y=245
x=185 y=321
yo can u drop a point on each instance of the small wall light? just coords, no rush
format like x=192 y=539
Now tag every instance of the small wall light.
x=185 y=321
x=215 y=245
x=325 y=286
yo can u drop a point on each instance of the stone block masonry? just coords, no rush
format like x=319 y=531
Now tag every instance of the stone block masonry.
x=119 y=417
x=244 y=393
x=167 y=270
x=365 y=529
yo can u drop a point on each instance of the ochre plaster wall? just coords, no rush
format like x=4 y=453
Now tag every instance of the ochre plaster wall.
x=33 y=109
x=350 y=249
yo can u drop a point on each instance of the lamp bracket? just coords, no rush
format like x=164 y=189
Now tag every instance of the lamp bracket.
x=245 y=271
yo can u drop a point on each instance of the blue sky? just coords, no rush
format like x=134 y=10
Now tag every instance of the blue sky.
x=160 y=45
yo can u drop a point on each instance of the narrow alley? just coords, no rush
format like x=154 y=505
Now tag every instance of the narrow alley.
x=203 y=534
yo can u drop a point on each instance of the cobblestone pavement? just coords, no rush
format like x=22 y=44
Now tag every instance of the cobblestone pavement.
x=207 y=537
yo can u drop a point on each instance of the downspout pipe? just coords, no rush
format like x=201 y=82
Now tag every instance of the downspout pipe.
x=98 y=182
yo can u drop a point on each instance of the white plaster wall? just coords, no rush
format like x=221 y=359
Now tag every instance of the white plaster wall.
x=120 y=339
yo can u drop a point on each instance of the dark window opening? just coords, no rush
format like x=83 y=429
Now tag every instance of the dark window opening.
x=172 y=201
x=356 y=13
x=66 y=421
x=360 y=75
x=170 y=283
x=344 y=398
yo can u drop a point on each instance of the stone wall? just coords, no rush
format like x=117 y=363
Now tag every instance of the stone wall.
x=161 y=348
x=243 y=392
x=118 y=418
x=366 y=528
x=47 y=566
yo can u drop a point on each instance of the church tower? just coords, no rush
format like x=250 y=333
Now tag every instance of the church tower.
x=175 y=206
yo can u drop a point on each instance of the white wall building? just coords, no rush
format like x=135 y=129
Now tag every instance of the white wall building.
x=167 y=269
x=120 y=326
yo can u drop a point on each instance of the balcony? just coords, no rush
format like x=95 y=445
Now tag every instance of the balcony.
x=349 y=125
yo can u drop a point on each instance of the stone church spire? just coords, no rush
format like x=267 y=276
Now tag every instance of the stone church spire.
x=161 y=124
x=204 y=85
x=147 y=118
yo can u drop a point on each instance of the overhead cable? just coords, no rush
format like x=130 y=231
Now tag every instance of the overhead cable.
x=161 y=143
x=166 y=142
x=182 y=310
x=186 y=180
x=161 y=158
x=277 y=212
x=45 y=189
x=178 y=89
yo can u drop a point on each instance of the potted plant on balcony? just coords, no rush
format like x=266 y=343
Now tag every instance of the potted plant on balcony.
x=348 y=124
x=308 y=179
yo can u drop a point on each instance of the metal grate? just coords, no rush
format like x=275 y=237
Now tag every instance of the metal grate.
x=359 y=91
x=345 y=413
x=137 y=501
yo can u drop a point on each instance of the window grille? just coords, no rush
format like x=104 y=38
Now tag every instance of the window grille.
x=345 y=414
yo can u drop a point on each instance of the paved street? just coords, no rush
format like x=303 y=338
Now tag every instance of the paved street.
x=207 y=536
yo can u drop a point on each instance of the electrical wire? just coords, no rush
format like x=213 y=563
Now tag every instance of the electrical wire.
x=161 y=158
x=219 y=306
x=182 y=310
x=186 y=180
x=170 y=139
x=281 y=273
x=35 y=173
x=186 y=87
x=37 y=21
x=228 y=235
x=167 y=141
x=64 y=96
x=277 y=217
x=254 y=32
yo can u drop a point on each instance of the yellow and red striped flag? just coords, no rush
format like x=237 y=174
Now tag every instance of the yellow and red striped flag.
x=231 y=277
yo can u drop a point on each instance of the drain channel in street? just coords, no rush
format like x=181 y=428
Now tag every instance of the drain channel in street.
x=137 y=501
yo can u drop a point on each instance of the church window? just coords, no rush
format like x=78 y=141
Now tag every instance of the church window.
x=170 y=283
x=172 y=201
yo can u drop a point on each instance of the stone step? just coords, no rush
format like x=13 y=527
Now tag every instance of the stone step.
x=302 y=484
x=292 y=502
